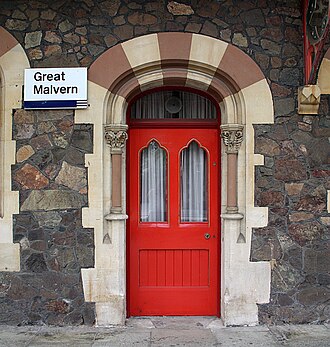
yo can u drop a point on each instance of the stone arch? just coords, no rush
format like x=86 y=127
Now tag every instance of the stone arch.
x=11 y=81
x=324 y=74
x=238 y=85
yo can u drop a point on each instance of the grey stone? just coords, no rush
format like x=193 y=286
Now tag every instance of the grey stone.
x=32 y=14
x=12 y=312
x=289 y=50
x=253 y=17
x=72 y=177
x=33 y=39
x=288 y=170
x=316 y=261
x=53 y=200
x=240 y=40
x=71 y=38
x=318 y=152
x=291 y=77
x=267 y=146
x=65 y=26
x=47 y=219
x=313 y=296
x=41 y=142
x=60 y=140
x=19 y=290
x=36 y=263
x=95 y=50
x=48 y=14
x=305 y=232
x=23 y=117
x=74 y=157
x=82 y=140
x=284 y=106
x=17 y=14
x=285 y=277
x=16 y=24
x=209 y=29
x=45 y=127
x=271 y=47
x=42 y=158
x=225 y=34
x=178 y=9
x=110 y=7
x=51 y=115
x=24 y=131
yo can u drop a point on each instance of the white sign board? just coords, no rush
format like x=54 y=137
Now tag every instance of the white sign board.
x=55 y=88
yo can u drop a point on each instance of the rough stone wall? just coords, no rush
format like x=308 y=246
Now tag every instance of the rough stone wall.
x=292 y=183
x=51 y=179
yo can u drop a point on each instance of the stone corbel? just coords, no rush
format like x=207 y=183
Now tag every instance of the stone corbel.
x=309 y=97
x=116 y=136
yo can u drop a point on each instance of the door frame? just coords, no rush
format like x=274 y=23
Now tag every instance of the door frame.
x=239 y=86
x=170 y=124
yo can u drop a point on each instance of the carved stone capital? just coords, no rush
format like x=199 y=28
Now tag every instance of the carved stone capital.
x=309 y=97
x=116 y=136
x=232 y=135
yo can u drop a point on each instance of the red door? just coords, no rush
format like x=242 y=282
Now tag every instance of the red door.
x=173 y=210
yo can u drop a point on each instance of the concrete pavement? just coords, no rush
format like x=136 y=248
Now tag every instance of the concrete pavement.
x=168 y=331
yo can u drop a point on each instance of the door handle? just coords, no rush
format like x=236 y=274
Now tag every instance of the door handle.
x=207 y=236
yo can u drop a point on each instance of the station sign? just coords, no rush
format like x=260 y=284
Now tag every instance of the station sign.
x=55 y=88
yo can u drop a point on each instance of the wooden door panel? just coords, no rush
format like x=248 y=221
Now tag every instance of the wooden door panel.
x=159 y=268
x=173 y=268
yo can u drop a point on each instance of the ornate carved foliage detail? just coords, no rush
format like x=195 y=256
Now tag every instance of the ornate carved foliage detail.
x=232 y=135
x=116 y=136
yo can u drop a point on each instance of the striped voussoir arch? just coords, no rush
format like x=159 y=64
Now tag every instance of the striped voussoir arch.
x=7 y=41
x=324 y=74
x=176 y=59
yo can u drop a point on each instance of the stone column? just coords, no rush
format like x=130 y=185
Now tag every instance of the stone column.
x=116 y=136
x=232 y=135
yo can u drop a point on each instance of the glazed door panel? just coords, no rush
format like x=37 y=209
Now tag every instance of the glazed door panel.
x=174 y=235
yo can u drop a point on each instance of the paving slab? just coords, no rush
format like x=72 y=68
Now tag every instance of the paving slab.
x=247 y=338
x=20 y=336
x=124 y=338
x=167 y=331
x=177 y=337
x=182 y=322
x=302 y=335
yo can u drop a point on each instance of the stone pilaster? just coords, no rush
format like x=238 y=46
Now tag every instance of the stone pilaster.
x=232 y=135
x=116 y=136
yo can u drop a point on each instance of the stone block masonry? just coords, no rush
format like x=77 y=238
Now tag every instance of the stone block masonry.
x=294 y=184
x=52 y=180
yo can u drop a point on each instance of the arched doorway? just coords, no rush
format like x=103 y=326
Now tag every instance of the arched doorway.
x=239 y=88
x=173 y=195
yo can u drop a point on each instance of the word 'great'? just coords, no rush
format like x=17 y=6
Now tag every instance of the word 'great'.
x=51 y=89
x=38 y=76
